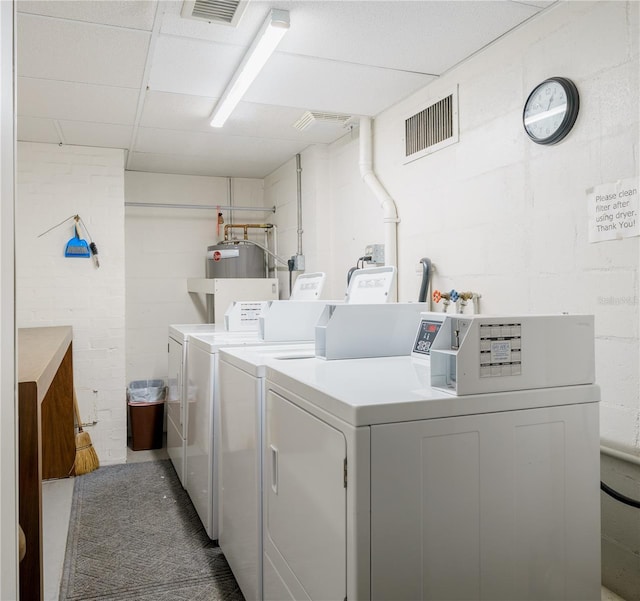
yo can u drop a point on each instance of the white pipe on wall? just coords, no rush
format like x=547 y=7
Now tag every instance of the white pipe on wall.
x=387 y=204
x=635 y=459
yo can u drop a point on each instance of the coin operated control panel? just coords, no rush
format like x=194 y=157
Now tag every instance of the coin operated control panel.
x=481 y=354
x=428 y=329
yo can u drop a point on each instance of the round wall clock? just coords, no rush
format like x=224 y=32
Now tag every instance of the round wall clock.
x=551 y=110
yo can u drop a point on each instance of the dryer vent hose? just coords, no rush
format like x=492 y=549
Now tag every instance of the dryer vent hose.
x=426 y=277
x=619 y=496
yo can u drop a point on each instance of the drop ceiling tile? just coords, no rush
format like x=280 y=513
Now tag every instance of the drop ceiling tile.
x=163 y=141
x=176 y=111
x=123 y=13
x=326 y=85
x=34 y=129
x=426 y=37
x=193 y=67
x=103 y=135
x=180 y=112
x=536 y=3
x=271 y=121
x=76 y=101
x=80 y=52
x=256 y=164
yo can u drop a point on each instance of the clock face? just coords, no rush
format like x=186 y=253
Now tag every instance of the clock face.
x=551 y=110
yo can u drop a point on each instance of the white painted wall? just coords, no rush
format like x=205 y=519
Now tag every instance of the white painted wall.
x=8 y=412
x=337 y=211
x=502 y=216
x=164 y=247
x=53 y=183
x=497 y=213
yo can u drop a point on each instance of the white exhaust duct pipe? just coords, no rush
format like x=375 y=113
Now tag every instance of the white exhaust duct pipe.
x=388 y=206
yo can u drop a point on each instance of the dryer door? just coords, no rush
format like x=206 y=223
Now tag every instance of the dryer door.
x=305 y=502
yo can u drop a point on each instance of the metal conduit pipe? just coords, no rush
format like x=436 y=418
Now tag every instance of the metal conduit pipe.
x=262 y=246
x=245 y=227
x=161 y=205
x=230 y=197
x=390 y=213
x=299 y=181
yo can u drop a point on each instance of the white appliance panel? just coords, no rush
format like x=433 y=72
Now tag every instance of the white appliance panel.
x=286 y=321
x=308 y=286
x=175 y=431
x=479 y=354
x=240 y=477
x=275 y=588
x=241 y=376
x=351 y=331
x=200 y=440
x=180 y=393
x=203 y=420
x=480 y=507
x=305 y=498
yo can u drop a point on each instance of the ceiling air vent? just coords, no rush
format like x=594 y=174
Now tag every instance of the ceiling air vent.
x=214 y=11
x=432 y=129
x=311 y=117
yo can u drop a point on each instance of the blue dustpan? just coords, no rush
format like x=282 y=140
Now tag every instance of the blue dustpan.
x=77 y=247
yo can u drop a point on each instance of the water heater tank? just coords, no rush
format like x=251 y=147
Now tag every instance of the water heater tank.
x=235 y=261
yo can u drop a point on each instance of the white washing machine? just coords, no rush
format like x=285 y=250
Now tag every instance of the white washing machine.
x=178 y=392
x=242 y=389
x=384 y=481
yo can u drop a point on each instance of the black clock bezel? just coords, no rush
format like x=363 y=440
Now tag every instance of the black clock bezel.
x=573 y=106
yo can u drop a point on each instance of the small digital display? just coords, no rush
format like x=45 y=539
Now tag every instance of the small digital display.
x=426 y=335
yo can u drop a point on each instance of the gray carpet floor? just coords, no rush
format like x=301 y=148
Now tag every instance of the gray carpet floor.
x=134 y=535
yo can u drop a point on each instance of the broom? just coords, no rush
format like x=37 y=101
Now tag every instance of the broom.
x=86 y=456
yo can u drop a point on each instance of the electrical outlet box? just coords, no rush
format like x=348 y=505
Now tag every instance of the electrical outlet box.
x=376 y=252
x=298 y=262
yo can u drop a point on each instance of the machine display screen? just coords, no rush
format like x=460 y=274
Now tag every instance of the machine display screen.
x=426 y=335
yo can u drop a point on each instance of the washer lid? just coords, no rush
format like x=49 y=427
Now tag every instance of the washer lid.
x=371 y=285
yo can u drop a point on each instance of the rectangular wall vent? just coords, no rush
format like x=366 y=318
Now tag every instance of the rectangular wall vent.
x=432 y=129
x=214 y=11
x=312 y=117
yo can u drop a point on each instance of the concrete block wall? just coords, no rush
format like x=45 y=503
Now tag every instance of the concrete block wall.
x=621 y=528
x=54 y=182
x=164 y=247
x=502 y=216
x=336 y=212
x=280 y=191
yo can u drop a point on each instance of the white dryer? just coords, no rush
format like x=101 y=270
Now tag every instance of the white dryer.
x=378 y=485
x=242 y=374
x=201 y=458
x=242 y=319
x=178 y=392
x=295 y=318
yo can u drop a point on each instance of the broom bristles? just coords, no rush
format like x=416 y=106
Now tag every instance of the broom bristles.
x=86 y=456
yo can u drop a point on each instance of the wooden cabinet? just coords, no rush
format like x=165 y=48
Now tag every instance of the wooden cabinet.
x=45 y=433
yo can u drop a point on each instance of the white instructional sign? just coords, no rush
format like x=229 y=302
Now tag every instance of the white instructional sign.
x=613 y=210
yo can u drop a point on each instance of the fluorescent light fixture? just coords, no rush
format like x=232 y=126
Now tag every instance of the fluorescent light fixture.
x=262 y=47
